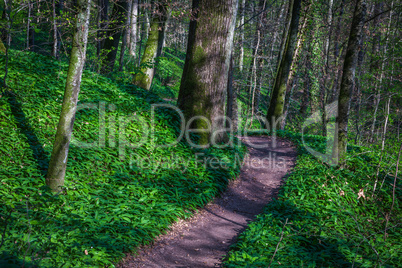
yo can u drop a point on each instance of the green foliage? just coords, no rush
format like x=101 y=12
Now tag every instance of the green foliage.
x=110 y=206
x=328 y=224
x=169 y=69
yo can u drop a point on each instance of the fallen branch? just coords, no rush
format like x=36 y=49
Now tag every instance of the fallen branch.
x=277 y=245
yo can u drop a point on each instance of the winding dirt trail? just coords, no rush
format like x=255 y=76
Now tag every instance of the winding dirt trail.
x=202 y=240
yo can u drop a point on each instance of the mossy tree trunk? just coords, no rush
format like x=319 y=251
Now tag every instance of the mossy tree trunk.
x=277 y=101
x=111 y=43
x=347 y=82
x=153 y=47
x=290 y=84
x=58 y=160
x=205 y=75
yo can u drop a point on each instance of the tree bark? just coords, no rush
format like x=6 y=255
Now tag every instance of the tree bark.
x=377 y=96
x=347 y=82
x=296 y=56
x=7 y=30
x=29 y=23
x=241 y=60
x=30 y=29
x=57 y=7
x=133 y=32
x=257 y=64
x=103 y=19
x=337 y=53
x=126 y=34
x=58 y=161
x=276 y=105
x=111 y=43
x=231 y=111
x=307 y=84
x=205 y=75
x=153 y=47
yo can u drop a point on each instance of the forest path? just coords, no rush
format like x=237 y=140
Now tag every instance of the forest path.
x=202 y=240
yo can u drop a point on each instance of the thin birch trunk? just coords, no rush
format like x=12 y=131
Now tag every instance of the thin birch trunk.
x=55 y=41
x=133 y=32
x=243 y=6
x=379 y=83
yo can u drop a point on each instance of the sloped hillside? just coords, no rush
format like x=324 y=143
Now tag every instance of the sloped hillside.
x=116 y=197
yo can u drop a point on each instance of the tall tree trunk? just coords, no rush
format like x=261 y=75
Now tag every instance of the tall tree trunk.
x=205 y=75
x=29 y=23
x=293 y=67
x=378 y=84
x=165 y=16
x=307 y=83
x=7 y=12
x=325 y=75
x=153 y=47
x=276 y=105
x=58 y=161
x=133 y=32
x=30 y=29
x=337 y=53
x=54 y=47
x=241 y=60
x=253 y=66
x=111 y=43
x=142 y=35
x=256 y=43
x=253 y=76
x=231 y=111
x=103 y=19
x=126 y=34
x=375 y=48
x=56 y=6
x=347 y=82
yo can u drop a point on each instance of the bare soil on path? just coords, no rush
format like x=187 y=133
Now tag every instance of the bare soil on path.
x=204 y=239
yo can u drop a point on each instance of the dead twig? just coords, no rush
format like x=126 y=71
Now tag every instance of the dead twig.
x=277 y=245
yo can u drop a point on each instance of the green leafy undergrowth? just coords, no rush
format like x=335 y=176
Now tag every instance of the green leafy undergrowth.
x=116 y=197
x=169 y=69
x=326 y=216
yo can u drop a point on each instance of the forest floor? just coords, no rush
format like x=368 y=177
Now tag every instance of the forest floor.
x=205 y=238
